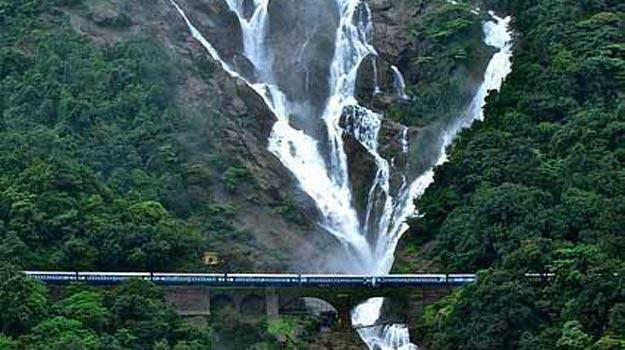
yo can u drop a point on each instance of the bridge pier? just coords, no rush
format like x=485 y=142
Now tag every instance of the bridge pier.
x=189 y=301
x=238 y=300
x=272 y=303
x=344 y=308
x=345 y=319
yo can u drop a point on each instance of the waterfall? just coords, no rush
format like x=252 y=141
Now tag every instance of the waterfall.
x=320 y=163
x=404 y=140
x=497 y=34
x=399 y=83
x=376 y=81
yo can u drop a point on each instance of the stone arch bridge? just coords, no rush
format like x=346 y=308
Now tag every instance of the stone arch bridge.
x=200 y=294
x=192 y=301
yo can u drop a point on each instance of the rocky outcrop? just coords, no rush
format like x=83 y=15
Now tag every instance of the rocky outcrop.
x=391 y=18
x=303 y=47
x=394 y=45
x=215 y=20
x=398 y=43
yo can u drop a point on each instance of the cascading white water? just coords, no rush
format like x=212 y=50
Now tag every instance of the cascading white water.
x=399 y=83
x=498 y=35
x=327 y=183
x=370 y=244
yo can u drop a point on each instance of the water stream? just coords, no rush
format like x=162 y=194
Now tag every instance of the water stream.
x=319 y=160
x=497 y=34
x=399 y=83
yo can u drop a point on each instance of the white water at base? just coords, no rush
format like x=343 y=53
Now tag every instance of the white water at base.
x=498 y=35
x=370 y=245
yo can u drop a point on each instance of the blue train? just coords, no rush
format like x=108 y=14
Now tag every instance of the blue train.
x=253 y=280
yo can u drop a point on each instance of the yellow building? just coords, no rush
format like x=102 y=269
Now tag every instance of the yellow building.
x=211 y=259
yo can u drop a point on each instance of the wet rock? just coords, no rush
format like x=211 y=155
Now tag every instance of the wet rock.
x=367 y=79
x=305 y=45
x=376 y=99
x=362 y=169
x=391 y=19
x=395 y=46
x=218 y=24
x=243 y=66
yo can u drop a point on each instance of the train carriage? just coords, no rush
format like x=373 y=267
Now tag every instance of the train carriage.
x=188 y=278
x=260 y=280
x=334 y=280
x=54 y=277
x=460 y=278
x=111 y=277
x=411 y=280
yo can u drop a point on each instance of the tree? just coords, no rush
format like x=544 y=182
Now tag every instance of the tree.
x=86 y=307
x=538 y=186
x=573 y=337
x=60 y=333
x=140 y=307
x=23 y=302
x=7 y=343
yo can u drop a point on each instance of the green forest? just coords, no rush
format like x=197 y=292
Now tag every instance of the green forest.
x=538 y=187
x=94 y=175
x=88 y=159
x=88 y=164
x=132 y=316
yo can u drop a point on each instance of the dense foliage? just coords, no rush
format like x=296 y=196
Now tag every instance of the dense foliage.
x=133 y=316
x=88 y=156
x=89 y=179
x=539 y=186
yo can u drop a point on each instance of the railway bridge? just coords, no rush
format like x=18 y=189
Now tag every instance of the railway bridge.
x=273 y=301
x=197 y=294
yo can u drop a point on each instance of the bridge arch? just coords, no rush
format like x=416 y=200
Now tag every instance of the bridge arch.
x=326 y=313
x=304 y=304
x=220 y=302
x=253 y=304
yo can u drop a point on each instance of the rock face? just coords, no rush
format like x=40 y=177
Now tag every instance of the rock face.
x=395 y=46
x=375 y=85
x=391 y=19
x=310 y=57
x=215 y=20
x=399 y=44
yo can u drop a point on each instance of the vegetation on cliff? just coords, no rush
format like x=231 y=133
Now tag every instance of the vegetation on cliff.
x=88 y=161
x=89 y=179
x=446 y=65
x=538 y=187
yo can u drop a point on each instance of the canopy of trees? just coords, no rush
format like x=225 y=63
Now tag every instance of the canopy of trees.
x=88 y=157
x=133 y=316
x=89 y=179
x=539 y=186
